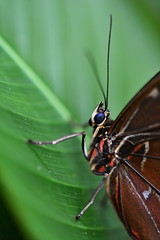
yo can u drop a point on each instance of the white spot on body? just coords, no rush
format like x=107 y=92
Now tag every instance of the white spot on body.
x=154 y=93
x=147 y=193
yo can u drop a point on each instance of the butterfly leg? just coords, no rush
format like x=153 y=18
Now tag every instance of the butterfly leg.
x=83 y=134
x=92 y=198
x=57 y=140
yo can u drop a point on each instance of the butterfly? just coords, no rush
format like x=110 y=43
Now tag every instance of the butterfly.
x=126 y=152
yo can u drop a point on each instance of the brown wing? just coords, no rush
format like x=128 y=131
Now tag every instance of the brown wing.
x=137 y=205
x=135 y=189
x=142 y=116
x=142 y=111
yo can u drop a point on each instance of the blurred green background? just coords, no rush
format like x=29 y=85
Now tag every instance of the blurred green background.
x=46 y=82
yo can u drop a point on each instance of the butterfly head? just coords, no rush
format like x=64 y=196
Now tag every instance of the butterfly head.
x=99 y=117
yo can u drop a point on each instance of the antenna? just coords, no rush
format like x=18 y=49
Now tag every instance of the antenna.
x=108 y=55
x=93 y=65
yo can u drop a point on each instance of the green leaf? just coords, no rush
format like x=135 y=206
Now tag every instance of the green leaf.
x=45 y=84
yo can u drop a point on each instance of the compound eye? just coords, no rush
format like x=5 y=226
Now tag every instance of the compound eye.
x=99 y=118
